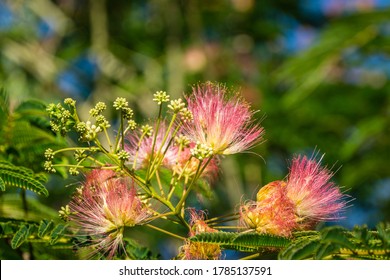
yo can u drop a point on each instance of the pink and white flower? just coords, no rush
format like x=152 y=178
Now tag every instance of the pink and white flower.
x=304 y=199
x=309 y=187
x=221 y=120
x=103 y=207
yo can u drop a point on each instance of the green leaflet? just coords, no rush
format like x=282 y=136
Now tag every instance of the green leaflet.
x=301 y=249
x=44 y=228
x=336 y=235
x=135 y=251
x=33 y=111
x=57 y=233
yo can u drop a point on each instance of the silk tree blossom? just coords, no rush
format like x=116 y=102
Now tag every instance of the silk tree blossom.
x=103 y=207
x=140 y=148
x=272 y=213
x=307 y=197
x=315 y=197
x=199 y=250
x=221 y=120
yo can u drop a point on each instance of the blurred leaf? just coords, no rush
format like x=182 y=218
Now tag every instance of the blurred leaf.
x=21 y=177
x=307 y=70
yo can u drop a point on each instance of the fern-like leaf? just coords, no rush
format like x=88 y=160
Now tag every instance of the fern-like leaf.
x=260 y=240
x=21 y=177
x=303 y=248
x=21 y=231
x=33 y=111
x=243 y=242
x=220 y=238
x=22 y=235
x=336 y=235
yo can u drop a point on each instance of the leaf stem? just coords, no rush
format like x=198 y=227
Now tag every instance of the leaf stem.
x=165 y=231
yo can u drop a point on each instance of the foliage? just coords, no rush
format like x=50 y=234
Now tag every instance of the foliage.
x=329 y=243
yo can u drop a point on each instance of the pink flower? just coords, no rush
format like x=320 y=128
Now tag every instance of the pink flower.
x=309 y=187
x=221 y=121
x=141 y=151
x=272 y=213
x=307 y=197
x=103 y=207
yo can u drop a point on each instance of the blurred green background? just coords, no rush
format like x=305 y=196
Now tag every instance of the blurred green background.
x=317 y=72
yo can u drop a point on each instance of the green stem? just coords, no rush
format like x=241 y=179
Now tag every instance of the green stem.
x=136 y=153
x=198 y=172
x=119 y=135
x=250 y=257
x=108 y=139
x=185 y=195
x=155 y=163
x=71 y=149
x=166 y=232
x=159 y=184
x=154 y=140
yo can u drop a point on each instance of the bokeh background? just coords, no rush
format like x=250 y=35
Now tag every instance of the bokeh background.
x=316 y=71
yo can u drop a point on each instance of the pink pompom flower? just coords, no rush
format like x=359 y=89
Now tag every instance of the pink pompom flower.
x=304 y=199
x=103 y=207
x=221 y=121
x=315 y=197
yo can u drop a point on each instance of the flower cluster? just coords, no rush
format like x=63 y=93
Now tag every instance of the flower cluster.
x=187 y=145
x=305 y=198
x=214 y=123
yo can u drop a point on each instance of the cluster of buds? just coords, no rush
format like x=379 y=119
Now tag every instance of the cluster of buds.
x=88 y=131
x=161 y=97
x=62 y=119
x=122 y=105
x=202 y=151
